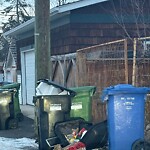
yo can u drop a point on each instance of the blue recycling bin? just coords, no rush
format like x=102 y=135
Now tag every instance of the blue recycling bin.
x=125 y=107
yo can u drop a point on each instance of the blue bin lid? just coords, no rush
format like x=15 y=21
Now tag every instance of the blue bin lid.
x=123 y=89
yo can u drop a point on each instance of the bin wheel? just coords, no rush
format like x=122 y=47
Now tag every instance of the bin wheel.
x=20 y=117
x=11 y=123
x=140 y=145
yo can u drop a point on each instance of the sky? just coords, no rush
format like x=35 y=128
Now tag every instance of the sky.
x=3 y=18
x=6 y=4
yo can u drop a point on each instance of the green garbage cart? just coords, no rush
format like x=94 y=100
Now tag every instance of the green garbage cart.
x=82 y=102
x=7 y=118
x=15 y=87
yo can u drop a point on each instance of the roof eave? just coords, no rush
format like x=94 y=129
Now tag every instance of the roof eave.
x=75 y=5
x=28 y=24
x=53 y=11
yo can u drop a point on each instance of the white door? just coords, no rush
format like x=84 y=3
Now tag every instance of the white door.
x=29 y=76
x=9 y=77
x=20 y=90
x=1 y=77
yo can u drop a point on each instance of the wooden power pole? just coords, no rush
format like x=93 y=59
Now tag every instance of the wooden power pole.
x=42 y=40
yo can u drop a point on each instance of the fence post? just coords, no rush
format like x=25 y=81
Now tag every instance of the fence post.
x=81 y=68
x=134 y=61
x=126 y=60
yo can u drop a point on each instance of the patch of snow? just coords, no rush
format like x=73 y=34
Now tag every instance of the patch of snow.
x=18 y=144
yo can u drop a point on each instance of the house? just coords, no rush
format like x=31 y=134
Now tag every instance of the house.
x=10 y=67
x=74 y=26
x=3 y=56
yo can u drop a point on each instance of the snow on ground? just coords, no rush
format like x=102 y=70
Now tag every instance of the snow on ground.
x=18 y=144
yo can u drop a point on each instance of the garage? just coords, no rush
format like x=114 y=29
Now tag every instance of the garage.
x=28 y=76
x=8 y=77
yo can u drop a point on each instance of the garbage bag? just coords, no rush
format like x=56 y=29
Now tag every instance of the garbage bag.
x=96 y=136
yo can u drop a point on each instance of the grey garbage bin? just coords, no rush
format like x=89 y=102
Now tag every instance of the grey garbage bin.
x=51 y=109
x=7 y=117
x=14 y=86
x=126 y=105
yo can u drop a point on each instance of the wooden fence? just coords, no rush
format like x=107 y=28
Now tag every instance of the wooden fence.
x=104 y=65
x=64 y=69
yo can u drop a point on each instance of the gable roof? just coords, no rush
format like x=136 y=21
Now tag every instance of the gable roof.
x=29 y=25
x=74 y=5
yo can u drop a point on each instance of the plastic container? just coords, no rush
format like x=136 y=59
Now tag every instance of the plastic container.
x=126 y=105
x=46 y=89
x=15 y=87
x=82 y=102
x=7 y=118
x=49 y=110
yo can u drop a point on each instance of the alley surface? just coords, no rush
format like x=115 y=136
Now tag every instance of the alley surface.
x=22 y=138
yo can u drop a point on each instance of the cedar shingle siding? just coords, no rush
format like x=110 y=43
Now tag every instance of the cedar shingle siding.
x=94 y=24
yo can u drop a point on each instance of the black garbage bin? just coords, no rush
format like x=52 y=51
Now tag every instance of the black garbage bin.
x=50 y=109
x=7 y=117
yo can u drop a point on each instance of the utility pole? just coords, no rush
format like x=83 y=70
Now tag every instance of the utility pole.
x=42 y=40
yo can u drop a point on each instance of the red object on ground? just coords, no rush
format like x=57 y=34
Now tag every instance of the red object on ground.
x=76 y=146
x=81 y=131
